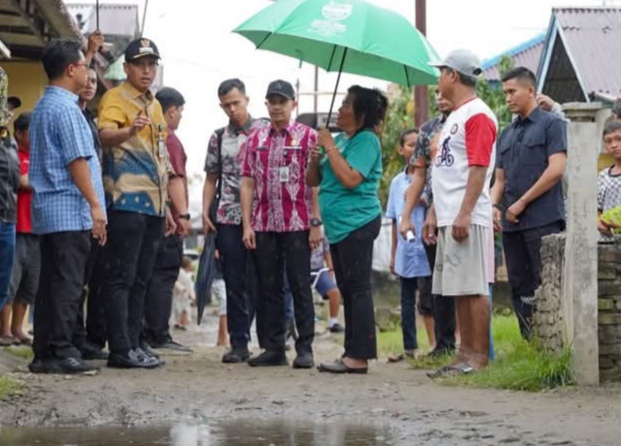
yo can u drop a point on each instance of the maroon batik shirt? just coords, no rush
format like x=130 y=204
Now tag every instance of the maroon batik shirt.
x=178 y=159
x=277 y=161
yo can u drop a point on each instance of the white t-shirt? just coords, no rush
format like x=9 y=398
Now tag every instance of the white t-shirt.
x=468 y=138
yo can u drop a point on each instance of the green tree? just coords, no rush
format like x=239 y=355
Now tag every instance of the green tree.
x=400 y=117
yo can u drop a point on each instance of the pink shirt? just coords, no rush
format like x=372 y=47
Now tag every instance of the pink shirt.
x=277 y=162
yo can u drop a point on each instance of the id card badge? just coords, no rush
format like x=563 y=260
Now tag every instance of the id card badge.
x=283 y=174
x=161 y=147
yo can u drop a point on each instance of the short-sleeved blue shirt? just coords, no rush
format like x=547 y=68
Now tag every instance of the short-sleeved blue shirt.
x=523 y=151
x=410 y=258
x=344 y=210
x=59 y=134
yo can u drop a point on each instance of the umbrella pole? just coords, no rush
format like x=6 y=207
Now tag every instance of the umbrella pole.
x=97 y=15
x=336 y=87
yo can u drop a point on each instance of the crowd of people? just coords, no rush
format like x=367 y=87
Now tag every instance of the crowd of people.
x=94 y=210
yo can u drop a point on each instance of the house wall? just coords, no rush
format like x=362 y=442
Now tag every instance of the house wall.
x=26 y=80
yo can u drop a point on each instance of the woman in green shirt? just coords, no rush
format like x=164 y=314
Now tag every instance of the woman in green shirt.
x=348 y=171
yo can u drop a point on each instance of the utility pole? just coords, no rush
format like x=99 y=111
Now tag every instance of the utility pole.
x=421 y=94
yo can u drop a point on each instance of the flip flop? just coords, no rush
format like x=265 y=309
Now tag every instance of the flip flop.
x=452 y=370
x=7 y=341
x=24 y=341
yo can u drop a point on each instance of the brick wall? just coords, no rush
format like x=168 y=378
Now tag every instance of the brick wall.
x=549 y=324
x=609 y=311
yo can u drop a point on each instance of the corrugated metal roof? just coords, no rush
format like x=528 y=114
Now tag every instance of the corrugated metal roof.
x=526 y=55
x=592 y=39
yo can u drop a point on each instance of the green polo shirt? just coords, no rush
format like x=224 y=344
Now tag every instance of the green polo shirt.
x=345 y=210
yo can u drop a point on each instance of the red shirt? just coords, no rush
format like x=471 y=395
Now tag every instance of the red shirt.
x=24 y=196
x=277 y=162
x=178 y=159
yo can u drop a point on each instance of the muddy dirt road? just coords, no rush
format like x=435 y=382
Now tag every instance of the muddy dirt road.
x=198 y=389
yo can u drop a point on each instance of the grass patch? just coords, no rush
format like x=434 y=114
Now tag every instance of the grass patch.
x=8 y=387
x=20 y=352
x=519 y=365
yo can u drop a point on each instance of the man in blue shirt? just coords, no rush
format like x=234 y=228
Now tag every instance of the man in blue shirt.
x=67 y=206
x=531 y=159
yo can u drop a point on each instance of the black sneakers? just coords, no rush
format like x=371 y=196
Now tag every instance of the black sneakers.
x=269 y=359
x=236 y=355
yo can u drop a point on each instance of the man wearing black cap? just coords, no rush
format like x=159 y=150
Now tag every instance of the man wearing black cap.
x=283 y=225
x=139 y=180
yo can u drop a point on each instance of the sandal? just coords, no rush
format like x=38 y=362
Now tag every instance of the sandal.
x=410 y=354
x=24 y=341
x=340 y=367
x=7 y=341
x=452 y=370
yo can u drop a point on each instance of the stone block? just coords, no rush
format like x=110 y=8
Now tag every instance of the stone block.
x=609 y=334
x=611 y=350
x=611 y=375
x=605 y=362
x=609 y=254
x=605 y=304
x=609 y=319
x=606 y=272
x=608 y=288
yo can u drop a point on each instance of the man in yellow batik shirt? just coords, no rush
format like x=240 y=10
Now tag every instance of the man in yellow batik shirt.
x=138 y=180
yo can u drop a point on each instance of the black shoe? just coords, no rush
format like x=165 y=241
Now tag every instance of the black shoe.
x=337 y=328
x=147 y=350
x=44 y=366
x=129 y=360
x=170 y=347
x=303 y=361
x=148 y=360
x=92 y=352
x=236 y=355
x=440 y=352
x=268 y=358
x=75 y=365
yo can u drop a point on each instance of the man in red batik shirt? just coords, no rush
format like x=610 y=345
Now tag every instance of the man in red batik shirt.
x=281 y=224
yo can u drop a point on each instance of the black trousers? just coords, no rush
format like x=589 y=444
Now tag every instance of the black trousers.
x=63 y=259
x=237 y=271
x=353 y=261
x=95 y=331
x=159 y=296
x=275 y=254
x=443 y=308
x=523 y=258
x=133 y=242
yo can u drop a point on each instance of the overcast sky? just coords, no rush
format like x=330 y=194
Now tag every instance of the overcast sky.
x=199 y=50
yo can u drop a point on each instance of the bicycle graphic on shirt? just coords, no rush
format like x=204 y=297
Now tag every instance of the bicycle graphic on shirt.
x=444 y=156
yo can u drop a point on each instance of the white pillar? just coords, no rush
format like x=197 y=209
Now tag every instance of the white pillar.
x=580 y=287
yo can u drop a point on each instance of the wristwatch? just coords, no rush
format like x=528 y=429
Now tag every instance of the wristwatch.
x=315 y=222
x=185 y=216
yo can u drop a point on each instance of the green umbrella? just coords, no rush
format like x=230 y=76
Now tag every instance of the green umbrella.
x=351 y=36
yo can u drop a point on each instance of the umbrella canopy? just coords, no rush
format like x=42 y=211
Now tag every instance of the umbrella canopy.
x=350 y=36
x=205 y=275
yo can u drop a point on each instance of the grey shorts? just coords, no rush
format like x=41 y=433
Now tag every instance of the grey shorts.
x=26 y=268
x=461 y=269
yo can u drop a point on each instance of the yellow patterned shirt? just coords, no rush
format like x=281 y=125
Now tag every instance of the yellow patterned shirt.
x=136 y=172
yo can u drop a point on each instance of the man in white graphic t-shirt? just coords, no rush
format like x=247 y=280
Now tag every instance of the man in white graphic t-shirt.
x=462 y=170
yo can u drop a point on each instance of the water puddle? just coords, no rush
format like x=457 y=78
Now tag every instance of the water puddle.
x=233 y=433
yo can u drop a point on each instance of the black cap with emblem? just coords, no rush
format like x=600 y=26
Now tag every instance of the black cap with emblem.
x=281 y=88
x=141 y=48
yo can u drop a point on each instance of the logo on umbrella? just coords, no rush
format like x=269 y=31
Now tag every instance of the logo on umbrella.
x=336 y=11
x=333 y=13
